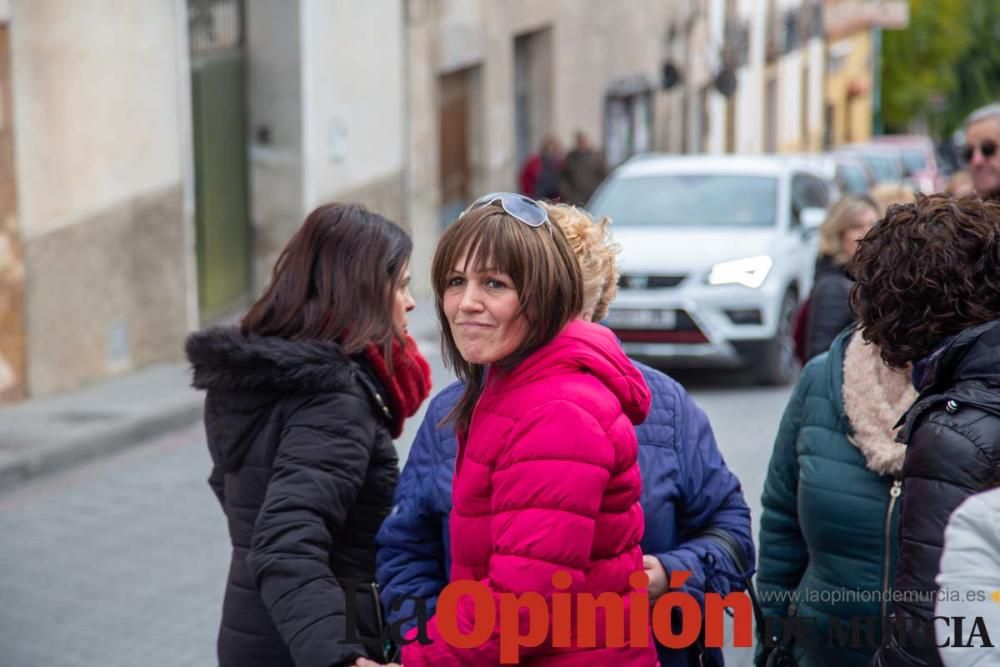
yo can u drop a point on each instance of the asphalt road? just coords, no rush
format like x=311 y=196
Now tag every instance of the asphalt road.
x=123 y=561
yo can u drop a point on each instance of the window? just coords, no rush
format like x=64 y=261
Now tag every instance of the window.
x=806 y=141
x=852 y=179
x=628 y=123
x=771 y=116
x=532 y=91
x=807 y=192
x=215 y=26
x=689 y=200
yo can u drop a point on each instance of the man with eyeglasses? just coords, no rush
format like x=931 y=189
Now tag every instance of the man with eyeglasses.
x=982 y=135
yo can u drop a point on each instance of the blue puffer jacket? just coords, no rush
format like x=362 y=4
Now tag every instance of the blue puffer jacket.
x=686 y=488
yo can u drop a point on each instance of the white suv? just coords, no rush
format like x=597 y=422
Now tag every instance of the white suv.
x=717 y=253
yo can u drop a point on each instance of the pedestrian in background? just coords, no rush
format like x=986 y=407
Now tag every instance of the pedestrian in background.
x=304 y=398
x=546 y=479
x=686 y=487
x=829 y=310
x=829 y=521
x=582 y=171
x=927 y=292
x=970 y=572
x=887 y=194
x=979 y=153
x=540 y=174
x=960 y=184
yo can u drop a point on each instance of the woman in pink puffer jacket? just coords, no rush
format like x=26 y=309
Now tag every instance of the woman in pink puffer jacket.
x=546 y=479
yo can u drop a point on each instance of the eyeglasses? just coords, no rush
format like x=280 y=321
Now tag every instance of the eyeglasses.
x=522 y=208
x=987 y=149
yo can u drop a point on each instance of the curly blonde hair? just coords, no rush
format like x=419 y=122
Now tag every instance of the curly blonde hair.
x=597 y=252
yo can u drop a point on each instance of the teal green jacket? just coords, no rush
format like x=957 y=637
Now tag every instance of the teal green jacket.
x=828 y=529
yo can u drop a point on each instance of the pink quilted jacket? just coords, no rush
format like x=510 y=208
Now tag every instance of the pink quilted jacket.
x=547 y=481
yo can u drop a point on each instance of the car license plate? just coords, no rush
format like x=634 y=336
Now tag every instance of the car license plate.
x=646 y=318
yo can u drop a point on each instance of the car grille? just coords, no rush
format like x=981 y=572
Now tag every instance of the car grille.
x=642 y=281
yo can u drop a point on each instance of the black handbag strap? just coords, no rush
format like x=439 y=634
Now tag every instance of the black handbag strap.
x=778 y=656
x=733 y=550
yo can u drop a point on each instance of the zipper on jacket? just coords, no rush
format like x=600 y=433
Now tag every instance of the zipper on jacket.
x=894 y=493
x=378 y=604
x=381 y=620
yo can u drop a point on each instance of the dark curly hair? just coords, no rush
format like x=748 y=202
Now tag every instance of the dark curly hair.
x=926 y=271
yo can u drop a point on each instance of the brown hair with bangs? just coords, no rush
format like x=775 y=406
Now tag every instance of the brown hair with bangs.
x=336 y=280
x=926 y=271
x=545 y=272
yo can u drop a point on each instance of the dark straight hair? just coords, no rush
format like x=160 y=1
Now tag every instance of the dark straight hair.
x=335 y=280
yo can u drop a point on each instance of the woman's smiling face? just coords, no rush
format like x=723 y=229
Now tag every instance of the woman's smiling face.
x=482 y=308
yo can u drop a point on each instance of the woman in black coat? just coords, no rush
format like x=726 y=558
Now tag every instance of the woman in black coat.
x=928 y=293
x=829 y=310
x=304 y=398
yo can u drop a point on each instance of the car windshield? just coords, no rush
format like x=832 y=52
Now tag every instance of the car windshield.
x=883 y=166
x=914 y=160
x=689 y=200
x=853 y=179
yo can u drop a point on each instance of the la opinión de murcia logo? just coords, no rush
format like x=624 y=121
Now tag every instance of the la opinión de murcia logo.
x=571 y=620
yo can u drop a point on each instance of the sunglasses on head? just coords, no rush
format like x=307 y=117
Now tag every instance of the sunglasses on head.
x=524 y=209
x=987 y=149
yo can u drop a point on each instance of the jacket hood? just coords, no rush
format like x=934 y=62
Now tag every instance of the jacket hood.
x=247 y=375
x=874 y=396
x=972 y=355
x=964 y=368
x=593 y=348
x=223 y=358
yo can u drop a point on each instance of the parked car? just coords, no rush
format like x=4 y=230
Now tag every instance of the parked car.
x=717 y=253
x=885 y=161
x=919 y=160
x=824 y=165
x=852 y=174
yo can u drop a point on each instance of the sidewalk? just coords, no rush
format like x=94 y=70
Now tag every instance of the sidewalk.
x=43 y=436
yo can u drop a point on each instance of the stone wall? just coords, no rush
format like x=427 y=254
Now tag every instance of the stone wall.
x=107 y=295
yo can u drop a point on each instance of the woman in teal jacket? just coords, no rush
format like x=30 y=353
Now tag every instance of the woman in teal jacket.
x=828 y=529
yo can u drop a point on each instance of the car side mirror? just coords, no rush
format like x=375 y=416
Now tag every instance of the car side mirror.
x=812 y=218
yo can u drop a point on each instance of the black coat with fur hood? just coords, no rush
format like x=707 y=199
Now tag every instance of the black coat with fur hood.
x=952 y=434
x=305 y=469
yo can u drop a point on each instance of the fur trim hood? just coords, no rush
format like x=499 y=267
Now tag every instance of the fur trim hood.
x=875 y=396
x=223 y=358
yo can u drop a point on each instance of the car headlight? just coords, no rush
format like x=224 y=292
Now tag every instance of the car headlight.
x=750 y=272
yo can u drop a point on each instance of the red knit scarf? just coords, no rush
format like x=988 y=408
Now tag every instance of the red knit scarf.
x=408 y=385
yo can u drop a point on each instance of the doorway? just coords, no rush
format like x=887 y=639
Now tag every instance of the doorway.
x=457 y=132
x=219 y=120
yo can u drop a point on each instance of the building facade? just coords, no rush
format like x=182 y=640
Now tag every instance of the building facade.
x=156 y=156
x=95 y=262
x=488 y=80
x=853 y=31
x=768 y=59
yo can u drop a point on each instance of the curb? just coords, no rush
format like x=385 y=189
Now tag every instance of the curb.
x=69 y=453
x=32 y=453
x=56 y=434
